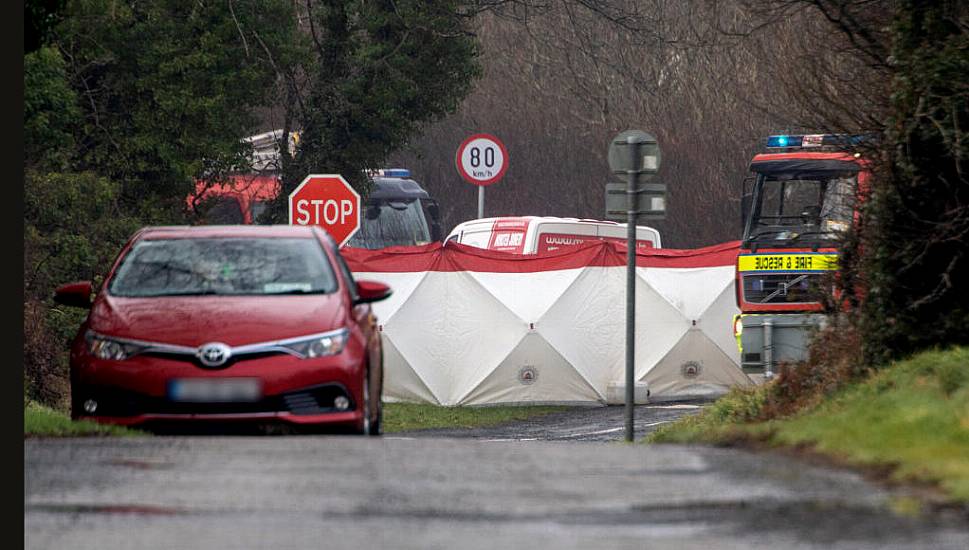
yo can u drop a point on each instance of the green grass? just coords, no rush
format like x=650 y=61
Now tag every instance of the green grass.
x=399 y=417
x=912 y=416
x=725 y=421
x=41 y=421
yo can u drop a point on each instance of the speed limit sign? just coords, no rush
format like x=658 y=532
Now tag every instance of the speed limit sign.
x=482 y=159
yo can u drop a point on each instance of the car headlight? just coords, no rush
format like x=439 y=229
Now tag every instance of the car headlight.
x=320 y=345
x=105 y=347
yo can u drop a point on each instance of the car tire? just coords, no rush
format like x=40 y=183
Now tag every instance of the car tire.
x=365 y=425
x=75 y=401
x=376 y=428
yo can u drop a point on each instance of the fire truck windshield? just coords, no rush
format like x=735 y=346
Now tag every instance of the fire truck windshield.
x=790 y=207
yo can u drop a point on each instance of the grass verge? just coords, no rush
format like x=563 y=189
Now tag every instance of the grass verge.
x=400 y=417
x=41 y=421
x=910 y=419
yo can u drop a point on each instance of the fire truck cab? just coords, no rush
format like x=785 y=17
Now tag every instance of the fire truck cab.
x=796 y=207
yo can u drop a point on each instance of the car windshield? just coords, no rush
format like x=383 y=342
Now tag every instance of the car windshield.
x=790 y=207
x=233 y=266
x=392 y=223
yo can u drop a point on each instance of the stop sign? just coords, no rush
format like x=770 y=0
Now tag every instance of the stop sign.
x=326 y=200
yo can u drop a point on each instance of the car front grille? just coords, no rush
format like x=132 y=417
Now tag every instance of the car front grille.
x=307 y=401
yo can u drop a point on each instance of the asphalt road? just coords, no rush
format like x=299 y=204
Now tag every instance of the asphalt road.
x=426 y=491
x=575 y=424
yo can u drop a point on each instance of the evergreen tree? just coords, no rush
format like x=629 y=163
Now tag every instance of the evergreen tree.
x=916 y=241
x=377 y=72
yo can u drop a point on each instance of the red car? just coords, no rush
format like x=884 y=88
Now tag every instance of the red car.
x=228 y=323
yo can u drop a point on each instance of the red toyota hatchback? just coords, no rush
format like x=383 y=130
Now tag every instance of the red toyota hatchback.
x=230 y=323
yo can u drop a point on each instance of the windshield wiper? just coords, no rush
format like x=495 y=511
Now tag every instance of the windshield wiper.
x=756 y=236
x=760 y=234
x=294 y=291
x=797 y=236
x=205 y=292
x=782 y=288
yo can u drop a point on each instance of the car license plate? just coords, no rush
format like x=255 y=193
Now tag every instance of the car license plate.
x=215 y=390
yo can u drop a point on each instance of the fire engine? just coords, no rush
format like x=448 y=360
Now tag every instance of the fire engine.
x=796 y=206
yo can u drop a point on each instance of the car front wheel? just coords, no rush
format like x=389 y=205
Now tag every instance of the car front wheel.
x=365 y=427
x=376 y=428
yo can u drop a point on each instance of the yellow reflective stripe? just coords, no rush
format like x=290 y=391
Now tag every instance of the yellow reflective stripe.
x=737 y=335
x=787 y=262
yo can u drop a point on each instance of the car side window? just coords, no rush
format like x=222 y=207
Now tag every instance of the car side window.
x=347 y=276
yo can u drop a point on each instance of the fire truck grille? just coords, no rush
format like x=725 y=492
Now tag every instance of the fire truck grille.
x=783 y=288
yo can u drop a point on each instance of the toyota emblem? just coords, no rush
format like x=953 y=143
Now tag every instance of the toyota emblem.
x=214 y=354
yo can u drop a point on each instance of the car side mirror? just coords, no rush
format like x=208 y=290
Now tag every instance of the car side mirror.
x=74 y=294
x=372 y=291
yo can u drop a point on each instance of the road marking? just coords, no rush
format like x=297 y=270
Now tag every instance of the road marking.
x=655 y=423
x=600 y=432
x=612 y=430
x=674 y=406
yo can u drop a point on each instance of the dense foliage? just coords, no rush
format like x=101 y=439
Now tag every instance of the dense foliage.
x=168 y=88
x=385 y=68
x=128 y=104
x=916 y=240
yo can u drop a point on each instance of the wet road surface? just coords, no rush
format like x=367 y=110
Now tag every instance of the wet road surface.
x=425 y=490
x=575 y=424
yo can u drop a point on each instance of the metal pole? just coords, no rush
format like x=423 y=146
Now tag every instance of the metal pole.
x=480 y=201
x=632 y=189
x=768 y=349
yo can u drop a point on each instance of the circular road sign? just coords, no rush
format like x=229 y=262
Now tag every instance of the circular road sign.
x=328 y=201
x=620 y=160
x=482 y=159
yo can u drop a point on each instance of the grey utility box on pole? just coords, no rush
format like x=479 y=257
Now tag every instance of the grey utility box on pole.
x=633 y=154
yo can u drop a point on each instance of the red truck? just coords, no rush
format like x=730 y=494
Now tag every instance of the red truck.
x=796 y=206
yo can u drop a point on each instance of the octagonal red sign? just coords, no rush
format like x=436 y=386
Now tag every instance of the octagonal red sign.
x=326 y=200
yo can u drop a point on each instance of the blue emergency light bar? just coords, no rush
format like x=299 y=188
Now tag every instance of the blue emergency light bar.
x=394 y=173
x=815 y=140
x=784 y=141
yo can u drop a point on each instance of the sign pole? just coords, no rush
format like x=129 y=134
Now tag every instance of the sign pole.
x=632 y=190
x=480 y=202
x=632 y=153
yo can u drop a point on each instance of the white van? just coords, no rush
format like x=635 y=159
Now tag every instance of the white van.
x=534 y=234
